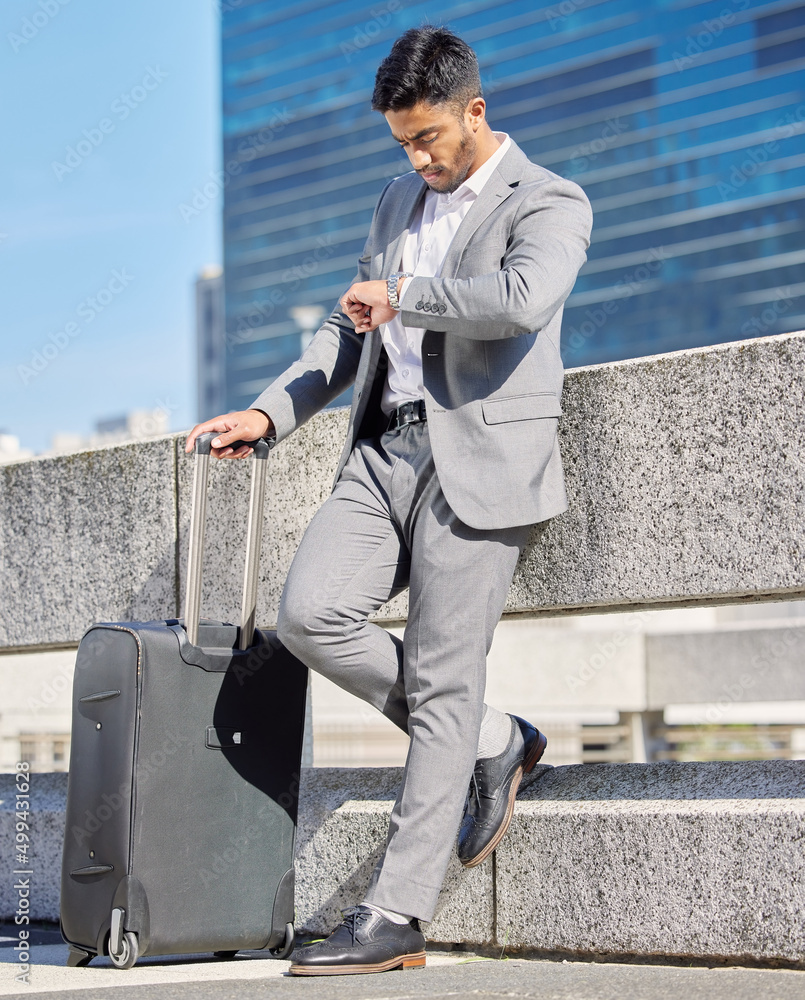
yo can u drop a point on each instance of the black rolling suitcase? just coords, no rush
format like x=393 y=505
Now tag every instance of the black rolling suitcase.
x=184 y=776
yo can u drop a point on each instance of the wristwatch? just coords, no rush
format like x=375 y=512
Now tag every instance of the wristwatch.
x=391 y=284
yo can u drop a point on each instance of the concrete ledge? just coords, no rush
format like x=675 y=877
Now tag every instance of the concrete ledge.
x=684 y=475
x=685 y=481
x=671 y=859
x=84 y=538
x=47 y=795
x=726 y=667
x=667 y=859
x=343 y=823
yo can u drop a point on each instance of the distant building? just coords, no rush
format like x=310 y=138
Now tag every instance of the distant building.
x=35 y=721
x=137 y=425
x=684 y=123
x=210 y=344
x=10 y=450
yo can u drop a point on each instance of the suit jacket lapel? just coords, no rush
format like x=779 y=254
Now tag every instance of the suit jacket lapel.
x=410 y=198
x=496 y=190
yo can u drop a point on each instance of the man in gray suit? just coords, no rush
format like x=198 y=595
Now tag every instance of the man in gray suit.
x=450 y=333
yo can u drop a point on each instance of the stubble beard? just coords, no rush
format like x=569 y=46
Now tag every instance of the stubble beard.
x=465 y=154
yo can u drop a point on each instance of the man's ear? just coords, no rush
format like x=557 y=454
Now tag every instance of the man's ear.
x=475 y=113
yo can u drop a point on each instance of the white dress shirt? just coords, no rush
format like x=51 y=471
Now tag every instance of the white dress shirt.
x=429 y=239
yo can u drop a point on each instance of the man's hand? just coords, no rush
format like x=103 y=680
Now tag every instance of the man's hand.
x=244 y=425
x=367 y=305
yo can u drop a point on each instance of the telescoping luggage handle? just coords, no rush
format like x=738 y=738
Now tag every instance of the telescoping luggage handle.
x=254 y=534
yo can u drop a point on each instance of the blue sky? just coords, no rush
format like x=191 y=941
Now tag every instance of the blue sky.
x=96 y=265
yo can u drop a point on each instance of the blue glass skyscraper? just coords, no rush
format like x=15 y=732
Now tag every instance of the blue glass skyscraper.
x=684 y=122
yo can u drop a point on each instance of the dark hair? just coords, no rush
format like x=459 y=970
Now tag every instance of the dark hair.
x=427 y=64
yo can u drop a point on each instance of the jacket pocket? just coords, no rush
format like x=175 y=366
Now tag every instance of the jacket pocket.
x=531 y=407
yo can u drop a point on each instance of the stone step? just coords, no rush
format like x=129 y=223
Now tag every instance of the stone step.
x=664 y=859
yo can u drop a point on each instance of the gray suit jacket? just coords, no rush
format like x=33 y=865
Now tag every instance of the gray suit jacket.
x=491 y=366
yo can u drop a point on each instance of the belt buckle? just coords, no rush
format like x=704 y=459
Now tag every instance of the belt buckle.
x=406 y=413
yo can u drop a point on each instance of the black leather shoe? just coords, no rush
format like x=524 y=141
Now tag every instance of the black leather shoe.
x=493 y=789
x=365 y=941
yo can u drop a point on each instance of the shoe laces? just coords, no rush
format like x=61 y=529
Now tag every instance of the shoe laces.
x=354 y=918
x=474 y=792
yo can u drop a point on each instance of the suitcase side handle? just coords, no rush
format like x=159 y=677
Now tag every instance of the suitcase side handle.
x=254 y=535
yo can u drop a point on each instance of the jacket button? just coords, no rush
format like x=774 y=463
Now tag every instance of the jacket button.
x=427 y=307
x=443 y=308
x=418 y=305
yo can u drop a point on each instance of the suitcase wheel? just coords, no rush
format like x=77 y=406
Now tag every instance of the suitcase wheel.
x=129 y=953
x=285 y=949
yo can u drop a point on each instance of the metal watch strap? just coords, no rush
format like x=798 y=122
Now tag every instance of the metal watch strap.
x=391 y=284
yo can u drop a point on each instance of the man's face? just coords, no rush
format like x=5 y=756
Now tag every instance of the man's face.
x=441 y=145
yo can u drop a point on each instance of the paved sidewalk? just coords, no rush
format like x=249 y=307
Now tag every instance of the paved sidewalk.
x=448 y=975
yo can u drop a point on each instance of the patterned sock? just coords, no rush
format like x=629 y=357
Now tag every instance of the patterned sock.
x=496 y=731
x=392 y=915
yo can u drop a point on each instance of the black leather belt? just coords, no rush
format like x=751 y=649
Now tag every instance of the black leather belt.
x=407 y=413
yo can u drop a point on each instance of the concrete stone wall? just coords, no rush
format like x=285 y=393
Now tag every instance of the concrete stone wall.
x=685 y=479
x=702 y=860
x=684 y=473
x=669 y=859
